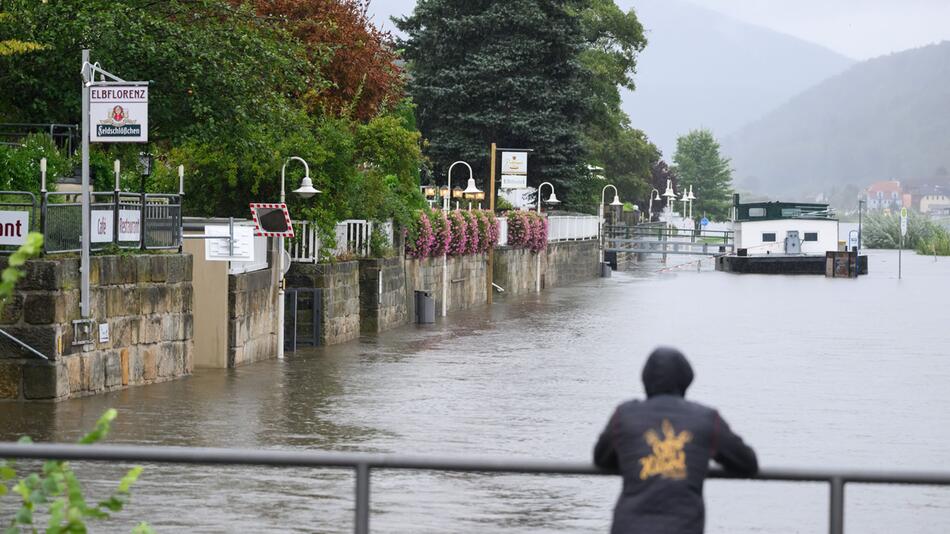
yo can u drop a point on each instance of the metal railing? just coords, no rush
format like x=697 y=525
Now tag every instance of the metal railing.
x=363 y=463
x=153 y=219
x=22 y=201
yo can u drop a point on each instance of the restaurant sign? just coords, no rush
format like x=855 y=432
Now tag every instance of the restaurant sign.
x=118 y=114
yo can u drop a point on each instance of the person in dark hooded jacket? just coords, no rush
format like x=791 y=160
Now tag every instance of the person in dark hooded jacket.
x=662 y=447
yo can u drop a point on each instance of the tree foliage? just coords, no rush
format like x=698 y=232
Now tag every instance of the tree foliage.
x=504 y=71
x=356 y=60
x=699 y=164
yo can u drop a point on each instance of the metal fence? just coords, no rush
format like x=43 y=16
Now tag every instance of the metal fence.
x=126 y=220
x=363 y=463
x=13 y=230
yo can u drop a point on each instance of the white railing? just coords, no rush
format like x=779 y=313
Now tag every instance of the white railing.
x=572 y=227
x=352 y=238
x=502 y=231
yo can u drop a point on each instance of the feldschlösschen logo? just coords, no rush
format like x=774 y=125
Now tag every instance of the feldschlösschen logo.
x=118 y=123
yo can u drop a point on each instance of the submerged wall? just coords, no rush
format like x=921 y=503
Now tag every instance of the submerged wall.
x=146 y=301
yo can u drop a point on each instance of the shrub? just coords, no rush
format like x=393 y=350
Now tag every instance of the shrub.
x=459 y=245
x=527 y=229
x=435 y=232
x=419 y=237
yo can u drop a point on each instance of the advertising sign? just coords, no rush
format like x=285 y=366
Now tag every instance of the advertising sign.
x=514 y=163
x=514 y=181
x=14 y=225
x=118 y=114
x=100 y=226
x=130 y=225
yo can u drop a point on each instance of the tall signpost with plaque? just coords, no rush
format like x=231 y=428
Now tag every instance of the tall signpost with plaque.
x=900 y=251
x=113 y=111
x=514 y=175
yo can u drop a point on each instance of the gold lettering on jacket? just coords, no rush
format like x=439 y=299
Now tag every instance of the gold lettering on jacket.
x=668 y=459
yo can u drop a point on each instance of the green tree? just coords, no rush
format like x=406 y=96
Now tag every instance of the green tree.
x=504 y=71
x=699 y=164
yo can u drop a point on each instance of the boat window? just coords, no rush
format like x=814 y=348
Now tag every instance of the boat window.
x=768 y=237
x=811 y=236
x=756 y=212
x=791 y=212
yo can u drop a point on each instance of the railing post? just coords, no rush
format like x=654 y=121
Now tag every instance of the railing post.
x=836 y=506
x=362 y=499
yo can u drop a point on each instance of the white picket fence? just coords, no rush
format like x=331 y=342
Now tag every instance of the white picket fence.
x=352 y=238
x=353 y=235
x=572 y=227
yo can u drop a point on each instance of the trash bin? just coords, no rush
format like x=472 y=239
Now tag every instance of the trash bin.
x=425 y=307
x=605 y=270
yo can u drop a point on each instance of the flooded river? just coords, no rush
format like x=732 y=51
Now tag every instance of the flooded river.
x=813 y=372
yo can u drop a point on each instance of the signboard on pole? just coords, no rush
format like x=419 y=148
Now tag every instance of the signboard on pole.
x=14 y=225
x=119 y=113
x=271 y=220
x=100 y=226
x=130 y=225
x=903 y=222
x=218 y=249
x=514 y=170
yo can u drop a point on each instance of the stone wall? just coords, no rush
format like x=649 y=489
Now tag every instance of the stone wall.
x=383 y=303
x=341 y=296
x=146 y=301
x=466 y=277
x=562 y=263
x=252 y=317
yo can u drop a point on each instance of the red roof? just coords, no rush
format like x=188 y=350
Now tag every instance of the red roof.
x=892 y=186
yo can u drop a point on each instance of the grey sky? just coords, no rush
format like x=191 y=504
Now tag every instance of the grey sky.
x=860 y=29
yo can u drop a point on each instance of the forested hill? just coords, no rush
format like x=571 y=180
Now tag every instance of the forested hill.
x=884 y=119
x=704 y=69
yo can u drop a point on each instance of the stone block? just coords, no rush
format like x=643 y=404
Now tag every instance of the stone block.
x=108 y=267
x=12 y=310
x=176 y=267
x=150 y=363
x=40 y=308
x=172 y=327
x=128 y=269
x=11 y=376
x=150 y=299
x=136 y=366
x=157 y=268
x=188 y=326
x=45 y=382
x=189 y=357
x=189 y=267
x=41 y=338
x=112 y=363
x=74 y=373
x=187 y=297
x=167 y=360
x=143 y=268
x=93 y=372
x=41 y=275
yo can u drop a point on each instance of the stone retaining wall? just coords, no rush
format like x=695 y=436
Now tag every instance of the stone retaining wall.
x=562 y=263
x=383 y=303
x=466 y=277
x=146 y=300
x=252 y=313
x=341 y=296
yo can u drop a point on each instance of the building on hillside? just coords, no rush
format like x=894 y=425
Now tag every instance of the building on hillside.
x=934 y=203
x=884 y=196
x=785 y=228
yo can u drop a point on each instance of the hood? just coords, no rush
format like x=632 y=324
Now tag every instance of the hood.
x=667 y=371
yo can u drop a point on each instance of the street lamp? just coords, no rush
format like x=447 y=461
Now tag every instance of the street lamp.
x=471 y=192
x=456 y=193
x=305 y=190
x=650 y=207
x=145 y=169
x=600 y=208
x=670 y=196
x=691 y=197
x=551 y=200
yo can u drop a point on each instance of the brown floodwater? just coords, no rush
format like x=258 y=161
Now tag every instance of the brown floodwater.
x=813 y=372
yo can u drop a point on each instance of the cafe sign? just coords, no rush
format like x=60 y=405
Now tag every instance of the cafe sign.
x=118 y=114
x=514 y=170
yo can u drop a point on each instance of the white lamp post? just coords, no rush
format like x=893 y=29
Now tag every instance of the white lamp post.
x=670 y=197
x=603 y=199
x=551 y=200
x=691 y=198
x=446 y=205
x=305 y=190
x=650 y=206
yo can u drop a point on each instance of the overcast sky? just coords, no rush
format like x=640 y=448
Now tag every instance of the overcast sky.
x=860 y=29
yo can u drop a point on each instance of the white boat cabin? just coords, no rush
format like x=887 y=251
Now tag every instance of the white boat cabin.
x=795 y=228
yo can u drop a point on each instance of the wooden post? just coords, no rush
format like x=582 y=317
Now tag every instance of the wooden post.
x=490 y=275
